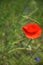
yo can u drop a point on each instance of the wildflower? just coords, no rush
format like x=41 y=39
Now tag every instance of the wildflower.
x=32 y=30
x=37 y=58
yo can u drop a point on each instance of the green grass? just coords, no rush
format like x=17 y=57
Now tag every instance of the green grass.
x=13 y=15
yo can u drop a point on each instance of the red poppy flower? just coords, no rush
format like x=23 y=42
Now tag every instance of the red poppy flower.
x=32 y=30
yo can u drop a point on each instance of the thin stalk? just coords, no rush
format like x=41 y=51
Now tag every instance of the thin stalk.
x=20 y=48
x=33 y=12
x=28 y=43
x=33 y=20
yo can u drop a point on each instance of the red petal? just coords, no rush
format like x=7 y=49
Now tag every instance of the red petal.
x=32 y=30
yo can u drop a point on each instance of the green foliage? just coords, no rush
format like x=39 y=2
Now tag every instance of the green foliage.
x=12 y=39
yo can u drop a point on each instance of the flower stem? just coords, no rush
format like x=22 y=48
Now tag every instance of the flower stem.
x=28 y=43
